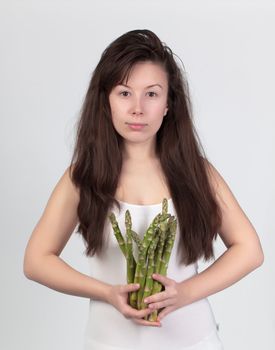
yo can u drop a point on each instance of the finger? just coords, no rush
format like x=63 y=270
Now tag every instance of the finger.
x=142 y=313
x=147 y=323
x=156 y=297
x=162 y=279
x=130 y=287
x=139 y=314
x=160 y=304
x=165 y=312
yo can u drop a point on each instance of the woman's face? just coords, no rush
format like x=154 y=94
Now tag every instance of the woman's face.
x=143 y=100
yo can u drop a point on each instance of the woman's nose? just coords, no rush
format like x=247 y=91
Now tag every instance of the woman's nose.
x=137 y=106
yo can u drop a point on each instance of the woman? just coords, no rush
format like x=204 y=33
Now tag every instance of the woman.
x=136 y=145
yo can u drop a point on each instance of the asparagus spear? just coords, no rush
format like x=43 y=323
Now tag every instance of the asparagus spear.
x=137 y=239
x=118 y=234
x=131 y=263
x=150 y=270
x=144 y=267
x=169 y=242
x=141 y=264
x=163 y=228
x=154 y=265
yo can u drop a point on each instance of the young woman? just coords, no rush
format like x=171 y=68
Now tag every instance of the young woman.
x=136 y=145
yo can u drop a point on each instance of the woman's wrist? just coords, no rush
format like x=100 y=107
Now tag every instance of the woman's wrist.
x=185 y=292
x=107 y=295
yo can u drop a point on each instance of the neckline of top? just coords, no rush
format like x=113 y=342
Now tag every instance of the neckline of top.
x=144 y=205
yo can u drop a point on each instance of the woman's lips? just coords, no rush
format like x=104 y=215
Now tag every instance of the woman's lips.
x=136 y=126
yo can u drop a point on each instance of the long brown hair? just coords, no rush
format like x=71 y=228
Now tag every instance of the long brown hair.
x=97 y=157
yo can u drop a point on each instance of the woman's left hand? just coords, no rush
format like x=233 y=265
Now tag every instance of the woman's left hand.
x=168 y=300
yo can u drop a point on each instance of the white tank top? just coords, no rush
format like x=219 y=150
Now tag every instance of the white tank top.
x=190 y=327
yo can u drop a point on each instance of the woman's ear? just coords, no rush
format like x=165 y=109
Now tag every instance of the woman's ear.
x=166 y=110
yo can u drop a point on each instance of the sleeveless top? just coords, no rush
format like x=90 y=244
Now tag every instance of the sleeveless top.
x=191 y=327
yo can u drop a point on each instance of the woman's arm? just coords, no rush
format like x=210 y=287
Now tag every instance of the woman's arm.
x=243 y=255
x=244 y=252
x=42 y=262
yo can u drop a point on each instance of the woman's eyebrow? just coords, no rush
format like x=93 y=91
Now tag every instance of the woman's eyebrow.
x=146 y=86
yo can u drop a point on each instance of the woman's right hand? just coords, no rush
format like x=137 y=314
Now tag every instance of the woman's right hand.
x=118 y=297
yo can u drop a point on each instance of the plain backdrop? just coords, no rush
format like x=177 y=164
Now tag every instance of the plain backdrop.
x=48 y=52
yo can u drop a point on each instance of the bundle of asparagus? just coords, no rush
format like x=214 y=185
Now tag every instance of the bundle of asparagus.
x=154 y=252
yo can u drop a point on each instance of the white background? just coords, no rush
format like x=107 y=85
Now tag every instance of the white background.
x=48 y=52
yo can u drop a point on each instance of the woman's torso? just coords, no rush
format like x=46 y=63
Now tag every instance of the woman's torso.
x=191 y=327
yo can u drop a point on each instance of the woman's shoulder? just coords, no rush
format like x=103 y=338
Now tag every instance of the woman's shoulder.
x=67 y=179
x=219 y=186
x=65 y=189
x=215 y=179
x=57 y=221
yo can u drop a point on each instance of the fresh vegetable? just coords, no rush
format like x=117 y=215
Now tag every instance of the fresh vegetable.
x=154 y=252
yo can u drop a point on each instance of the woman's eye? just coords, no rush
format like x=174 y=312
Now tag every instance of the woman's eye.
x=123 y=93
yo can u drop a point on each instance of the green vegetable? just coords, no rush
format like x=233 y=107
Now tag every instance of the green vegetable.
x=169 y=242
x=154 y=252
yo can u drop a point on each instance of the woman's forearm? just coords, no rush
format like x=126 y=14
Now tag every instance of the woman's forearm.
x=56 y=274
x=229 y=268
